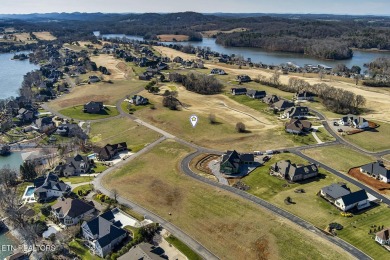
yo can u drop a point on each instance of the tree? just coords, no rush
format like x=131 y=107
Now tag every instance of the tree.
x=27 y=170
x=212 y=118
x=240 y=127
x=45 y=210
x=356 y=69
x=114 y=194
x=171 y=100
x=321 y=75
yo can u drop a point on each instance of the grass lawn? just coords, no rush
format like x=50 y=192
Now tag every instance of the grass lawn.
x=22 y=187
x=316 y=210
x=98 y=168
x=339 y=157
x=77 y=247
x=320 y=107
x=324 y=135
x=122 y=130
x=376 y=140
x=256 y=104
x=188 y=252
x=132 y=213
x=77 y=179
x=210 y=215
x=125 y=107
x=84 y=188
x=76 y=112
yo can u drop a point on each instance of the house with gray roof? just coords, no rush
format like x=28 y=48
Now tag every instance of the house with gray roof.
x=93 y=107
x=270 y=99
x=103 y=233
x=44 y=124
x=376 y=170
x=71 y=211
x=238 y=91
x=138 y=100
x=74 y=166
x=231 y=162
x=343 y=198
x=256 y=94
x=304 y=95
x=290 y=171
x=353 y=121
x=25 y=115
x=282 y=105
x=296 y=112
x=52 y=187
x=144 y=251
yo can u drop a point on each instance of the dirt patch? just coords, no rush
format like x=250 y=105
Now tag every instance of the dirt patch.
x=46 y=36
x=382 y=187
x=172 y=37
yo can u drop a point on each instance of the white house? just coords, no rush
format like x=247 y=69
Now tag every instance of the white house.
x=51 y=187
x=383 y=237
x=70 y=211
x=103 y=233
x=376 y=170
x=358 y=199
x=353 y=121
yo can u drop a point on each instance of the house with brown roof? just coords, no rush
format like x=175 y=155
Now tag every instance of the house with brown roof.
x=111 y=150
x=297 y=126
x=383 y=237
x=282 y=105
x=270 y=99
x=71 y=211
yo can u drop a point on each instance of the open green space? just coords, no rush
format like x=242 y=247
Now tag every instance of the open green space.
x=200 y=209
x=324 y=135
x=77 y=179
x=84 y=188
x=77 y=113
x=316 y=210
x=129 y=108
x=186 y=250
x=374 y=140
x=122 y=130
x=339 y=157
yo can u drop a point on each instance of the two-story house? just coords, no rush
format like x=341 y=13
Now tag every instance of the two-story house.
x=71 y=211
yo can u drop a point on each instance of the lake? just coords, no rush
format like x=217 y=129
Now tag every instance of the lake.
x=11 y=74
x=274 y=58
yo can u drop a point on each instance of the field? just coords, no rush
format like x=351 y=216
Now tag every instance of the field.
x=262 y=132
x=375 y=140
x=46 y=36
x=315 y=209
x=77 y=112
x=212 y=33
x=122 y=130
x=338 y=157
x=112 y=64
x=172 y=37
x=24 y=37
x=377 y=105
x=199 y=210
x=374 y=183
x=104 y=92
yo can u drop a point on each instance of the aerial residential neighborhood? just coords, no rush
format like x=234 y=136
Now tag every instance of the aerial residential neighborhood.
x=146 y=131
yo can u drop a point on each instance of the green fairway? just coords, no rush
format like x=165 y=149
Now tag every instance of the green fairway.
x=77 y=113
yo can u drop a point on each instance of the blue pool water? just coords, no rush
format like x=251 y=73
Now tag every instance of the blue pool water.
x=30 y=191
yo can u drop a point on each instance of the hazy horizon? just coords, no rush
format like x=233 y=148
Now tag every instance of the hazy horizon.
x=337 y=7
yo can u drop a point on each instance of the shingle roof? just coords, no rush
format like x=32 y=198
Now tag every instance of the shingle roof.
x=72 y=207
x=354 y=197
x=376 y=168
x=384 y=234
x=336 y=190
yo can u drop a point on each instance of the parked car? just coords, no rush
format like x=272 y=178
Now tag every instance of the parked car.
x=257 y=153
x=335 y=123
x=266 y=158
x=339 y=130
x=269 y=152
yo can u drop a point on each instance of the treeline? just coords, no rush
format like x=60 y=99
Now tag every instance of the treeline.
x=198 y=82
x=334 y=99
x=379 y=71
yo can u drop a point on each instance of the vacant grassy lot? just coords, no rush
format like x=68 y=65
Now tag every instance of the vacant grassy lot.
x=77 y=179
x=77 y=112
x=105 y=92
x=313 y=208
x=84 y=188
x=187 y=251
x=122 y=130
x=172 y=37
x=210 y=215
x=338 y=157
x=375 y=140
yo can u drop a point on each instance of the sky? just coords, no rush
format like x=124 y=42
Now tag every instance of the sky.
x=360 y=7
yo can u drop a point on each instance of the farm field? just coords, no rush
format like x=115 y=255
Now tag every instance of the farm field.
x=316 y=210
x=199 y=209
x=376 y=140
x=46 y=36
x=77 y=112
x=172 y=37
x=338 y=157
x=122 y=130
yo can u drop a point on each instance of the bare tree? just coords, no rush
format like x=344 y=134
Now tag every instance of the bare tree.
x=114 y=194
x=212 y=118
x=240 y=127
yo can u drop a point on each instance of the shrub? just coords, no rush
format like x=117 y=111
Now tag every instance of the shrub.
x=240 y=127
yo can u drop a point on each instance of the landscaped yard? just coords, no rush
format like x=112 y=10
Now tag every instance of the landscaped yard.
x=315 y=209
x=77 y=179
x=339 y=157
x=376 y=140
x=199 y=209
x=187 y=251
x=77 y=247
x=77 y=112
x=84 y=188
x=122 y=130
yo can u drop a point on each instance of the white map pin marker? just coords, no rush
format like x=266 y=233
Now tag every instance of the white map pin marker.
x=193 y=120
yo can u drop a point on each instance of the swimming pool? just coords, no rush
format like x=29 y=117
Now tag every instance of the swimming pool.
x=92 y=156
x=30 y=191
